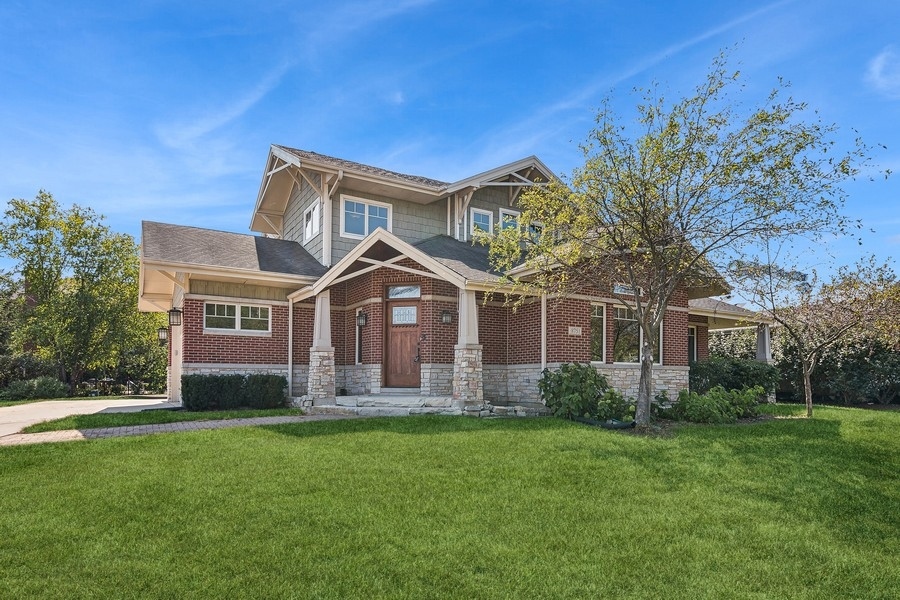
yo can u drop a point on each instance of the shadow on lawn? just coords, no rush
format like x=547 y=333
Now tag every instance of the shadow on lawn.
x=418 y=425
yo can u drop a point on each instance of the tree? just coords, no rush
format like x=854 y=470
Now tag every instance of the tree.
x=78 y=308
x=816 y=315
x=668 y=207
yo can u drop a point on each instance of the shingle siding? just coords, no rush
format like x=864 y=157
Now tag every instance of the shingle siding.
x=302 y=197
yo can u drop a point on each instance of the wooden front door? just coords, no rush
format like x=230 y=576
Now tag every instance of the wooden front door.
x=401 y=356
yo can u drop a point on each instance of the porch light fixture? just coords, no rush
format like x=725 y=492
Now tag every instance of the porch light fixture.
x=361 y=319
x=446 y=317
x=175 y=317
x=162 y=334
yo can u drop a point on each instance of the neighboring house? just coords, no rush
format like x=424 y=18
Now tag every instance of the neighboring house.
x=366 y=283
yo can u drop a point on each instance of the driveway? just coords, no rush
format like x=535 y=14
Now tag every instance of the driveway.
x=14 y=418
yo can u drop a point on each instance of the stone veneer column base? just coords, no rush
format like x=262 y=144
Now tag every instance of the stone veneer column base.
x=321 y=374
x=468 y=379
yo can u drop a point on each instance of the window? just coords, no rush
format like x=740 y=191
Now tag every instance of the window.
x=509 y=219
x=482 y=222
x=598 y=333
x=359 y=218
x=404 y=291
x=225 y=316
x=311 y=219
x=628 y=337
x=692 y=344
x=534 y=232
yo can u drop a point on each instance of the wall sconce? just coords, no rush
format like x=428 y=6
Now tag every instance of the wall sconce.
x=361 y=319
x=162 y=334
x=175 y=317
x=446 y=317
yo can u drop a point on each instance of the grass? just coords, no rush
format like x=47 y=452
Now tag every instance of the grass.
x=150 y=417
x=446 y=507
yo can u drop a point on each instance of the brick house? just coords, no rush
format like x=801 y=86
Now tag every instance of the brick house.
x=365 y=290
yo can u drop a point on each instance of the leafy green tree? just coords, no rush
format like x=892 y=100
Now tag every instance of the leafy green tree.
x=818 y=315
x=78 y=308
x=668 y=205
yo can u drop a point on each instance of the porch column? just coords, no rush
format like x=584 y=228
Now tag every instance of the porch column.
x=763 y=343
x=468 y=376
x=321 y=354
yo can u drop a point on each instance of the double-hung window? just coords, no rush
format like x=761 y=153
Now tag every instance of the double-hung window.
x=481 y=222
x=509 y=219
x=360 y=217
x=237 y=317
x=692 y=344
x=311 y=219
x=628 y=337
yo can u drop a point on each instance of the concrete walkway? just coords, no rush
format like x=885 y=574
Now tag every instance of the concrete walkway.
x=15 y=418
x=72 y=435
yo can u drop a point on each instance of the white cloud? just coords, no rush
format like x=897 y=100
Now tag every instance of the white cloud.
x=883 y=72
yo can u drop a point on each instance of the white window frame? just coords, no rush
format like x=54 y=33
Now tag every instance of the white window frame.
x=602 y=308
x=508 y=212
x=367 y=203
x=641 y=338
x=237 y=320
x=480 y=211
x=316 y=215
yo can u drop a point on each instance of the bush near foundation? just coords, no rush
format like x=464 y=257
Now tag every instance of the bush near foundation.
x=578 y=391
x=225 y=392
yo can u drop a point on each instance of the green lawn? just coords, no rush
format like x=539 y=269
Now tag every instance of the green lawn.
x=149 y=417
x=446 y=507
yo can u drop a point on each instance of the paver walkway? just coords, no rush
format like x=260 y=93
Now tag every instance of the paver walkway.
x=71 y=435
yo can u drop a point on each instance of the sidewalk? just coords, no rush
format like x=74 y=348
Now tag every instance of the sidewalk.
x=71 y=435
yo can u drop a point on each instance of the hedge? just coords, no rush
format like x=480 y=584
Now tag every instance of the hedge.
x=225 y=392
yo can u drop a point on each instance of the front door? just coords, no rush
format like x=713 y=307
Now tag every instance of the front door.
x=401 y=357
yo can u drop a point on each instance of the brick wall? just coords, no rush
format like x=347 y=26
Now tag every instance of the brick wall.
x=702 y=324
x=223 y=348
x=563 y=346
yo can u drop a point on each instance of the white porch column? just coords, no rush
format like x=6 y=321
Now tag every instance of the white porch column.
x=468 y=375
x=763 y=343
x=321 y=355
x=176 y=342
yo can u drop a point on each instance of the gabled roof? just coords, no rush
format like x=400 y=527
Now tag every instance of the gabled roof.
x=348 y=166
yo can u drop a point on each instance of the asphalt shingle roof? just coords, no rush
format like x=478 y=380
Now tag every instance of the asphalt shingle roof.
x=349 y=165
x=193 y=245
x=711 y=304
x=461 y=257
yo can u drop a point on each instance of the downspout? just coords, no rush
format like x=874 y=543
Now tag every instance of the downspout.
x=543 y=331
x=290 y=349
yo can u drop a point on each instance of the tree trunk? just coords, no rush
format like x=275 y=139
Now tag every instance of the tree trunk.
x=807 y=388
x=642 y=408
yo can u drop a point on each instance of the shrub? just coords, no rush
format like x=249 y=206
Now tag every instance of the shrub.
x=613 y=405
x=572 y=391
x=718 y=405
x=226 y=392
x=265 y=391
x=732 y=374
x=212 y=392
x=39 y=388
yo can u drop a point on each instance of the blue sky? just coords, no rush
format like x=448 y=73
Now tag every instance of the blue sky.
x=165 y=110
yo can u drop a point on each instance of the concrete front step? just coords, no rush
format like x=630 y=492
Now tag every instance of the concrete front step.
x=393 y=401
x=381 y=411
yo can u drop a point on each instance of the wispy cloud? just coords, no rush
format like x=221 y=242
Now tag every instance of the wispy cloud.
x=551 y=121
x=883 y=72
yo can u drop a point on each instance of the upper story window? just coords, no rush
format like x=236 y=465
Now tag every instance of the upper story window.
x=628 y=337
x=311 y=219
x=360 y=217
x=237 y=317
x=509 y=219
x=482 y=221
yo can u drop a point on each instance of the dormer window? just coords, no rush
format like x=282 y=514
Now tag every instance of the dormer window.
x=482 y=222
x=361 y=217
